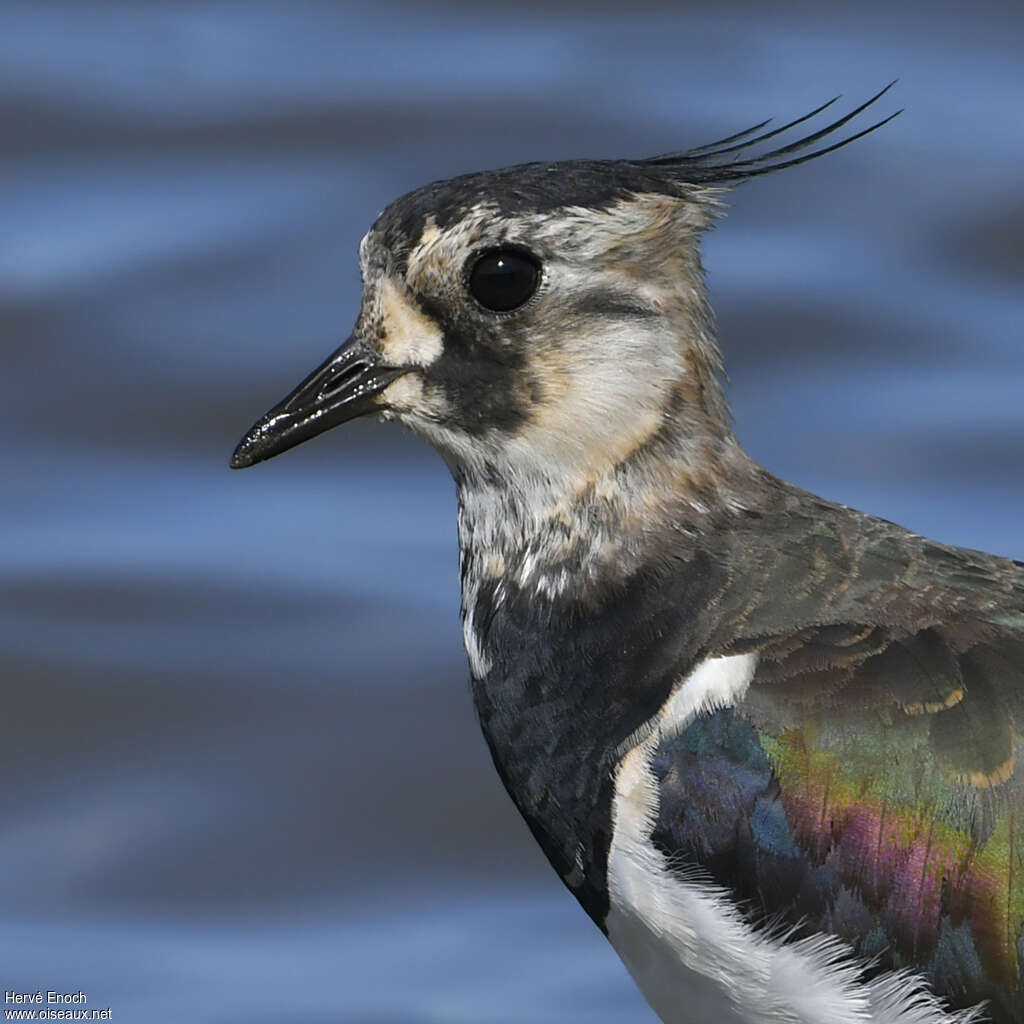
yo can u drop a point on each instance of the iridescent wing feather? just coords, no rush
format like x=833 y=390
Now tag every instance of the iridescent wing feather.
x=870 y=784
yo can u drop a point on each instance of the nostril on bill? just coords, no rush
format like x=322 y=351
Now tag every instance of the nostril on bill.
x=341 y=378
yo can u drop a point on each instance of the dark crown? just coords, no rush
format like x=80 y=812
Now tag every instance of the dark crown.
x=537 y=188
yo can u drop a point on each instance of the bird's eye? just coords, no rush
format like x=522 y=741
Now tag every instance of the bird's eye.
x=503 y=279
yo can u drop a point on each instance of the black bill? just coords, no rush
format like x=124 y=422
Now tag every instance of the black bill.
x=341 y=389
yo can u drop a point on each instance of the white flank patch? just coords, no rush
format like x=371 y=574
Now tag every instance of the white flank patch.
x=715 y=683
x=681 y=937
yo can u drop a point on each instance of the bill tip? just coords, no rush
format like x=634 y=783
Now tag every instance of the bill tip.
x=243 y=456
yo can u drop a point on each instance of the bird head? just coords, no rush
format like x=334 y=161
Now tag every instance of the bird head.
x=543 y=321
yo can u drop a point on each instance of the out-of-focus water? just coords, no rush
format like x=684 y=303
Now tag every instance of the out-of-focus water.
x=241 y=780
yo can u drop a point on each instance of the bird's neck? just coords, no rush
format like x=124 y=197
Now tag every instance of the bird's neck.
x=559 y=593
x=564 y=530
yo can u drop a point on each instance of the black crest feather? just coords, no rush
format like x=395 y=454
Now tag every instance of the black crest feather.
x=735 y=157
x=542 y=187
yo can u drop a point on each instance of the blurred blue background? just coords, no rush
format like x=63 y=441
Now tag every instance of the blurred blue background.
x=241 y=778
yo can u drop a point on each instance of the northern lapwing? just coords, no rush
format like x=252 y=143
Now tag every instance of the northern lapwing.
x=769 y=742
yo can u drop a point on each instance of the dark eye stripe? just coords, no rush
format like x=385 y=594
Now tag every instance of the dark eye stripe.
x=503 y=279
x=612 y=304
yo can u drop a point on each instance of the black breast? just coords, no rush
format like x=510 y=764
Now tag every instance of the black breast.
x=572 y=678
